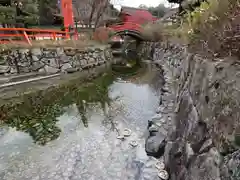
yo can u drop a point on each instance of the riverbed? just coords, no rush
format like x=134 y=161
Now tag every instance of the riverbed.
x=87 y=147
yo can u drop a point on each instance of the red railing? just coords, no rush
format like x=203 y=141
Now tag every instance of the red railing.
x=28 y=35
x=126 y=26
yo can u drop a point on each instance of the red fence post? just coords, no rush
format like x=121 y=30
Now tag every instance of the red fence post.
x=67 y=13
x=54 y=35
x=34 y=33
x=26 y=37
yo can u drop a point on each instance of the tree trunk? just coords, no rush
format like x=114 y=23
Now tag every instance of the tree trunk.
x=92 y=12
x=100 y=13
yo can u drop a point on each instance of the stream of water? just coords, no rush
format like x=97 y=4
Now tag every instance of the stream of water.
x=88 y=149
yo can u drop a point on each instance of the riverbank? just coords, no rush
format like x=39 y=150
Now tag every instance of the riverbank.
x=85 y=148
x=14 y=91
x=203 y=139
x=23 y=70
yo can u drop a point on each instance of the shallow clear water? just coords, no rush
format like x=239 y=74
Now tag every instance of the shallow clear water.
x=90 y=152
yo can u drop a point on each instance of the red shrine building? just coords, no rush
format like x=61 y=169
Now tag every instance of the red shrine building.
x=136 y=15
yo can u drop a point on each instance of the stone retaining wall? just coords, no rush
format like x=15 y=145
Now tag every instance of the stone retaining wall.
x=51 y=60
x=203 y=141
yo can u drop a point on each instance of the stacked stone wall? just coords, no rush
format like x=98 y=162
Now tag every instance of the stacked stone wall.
x=202 y=97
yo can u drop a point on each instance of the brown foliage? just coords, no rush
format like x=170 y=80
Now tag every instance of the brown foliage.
x=219 y=37
x=101 y=34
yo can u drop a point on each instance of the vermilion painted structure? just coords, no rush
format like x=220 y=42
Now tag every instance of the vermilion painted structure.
x=136 y=15
x=36 y=34
x=67 y=13
x=132 y=21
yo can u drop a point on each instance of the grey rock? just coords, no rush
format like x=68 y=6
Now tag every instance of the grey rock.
x=23 y=51
x=231 y=166
x=163 y=130
x=4 y=69
x=163 y=120
x=63 y=59
x=42 y=70
x=98 y=49
x=66 y=66
x=206 y=146
x=167 y=152
x=155 y=145
x=76 y=63
x=189 y=152
x=153 y=129
x=91 y=60
x=23 y=64
x=53 y=62
x=95 y=55
x=35 y=58
x=205 y=167
x=83 y=62
x=157 y=117
x=72 y=70
x=24 y=69
x=36 y=51
x=160 y=109
x=37 y=65
x=49 y=69
x=13 y=70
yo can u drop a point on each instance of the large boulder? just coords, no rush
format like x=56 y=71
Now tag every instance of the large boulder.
x=155 y=145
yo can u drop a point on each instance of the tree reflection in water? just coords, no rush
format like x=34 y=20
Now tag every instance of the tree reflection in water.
x=37 y=113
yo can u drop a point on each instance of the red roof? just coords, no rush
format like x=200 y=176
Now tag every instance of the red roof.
x=137 y=15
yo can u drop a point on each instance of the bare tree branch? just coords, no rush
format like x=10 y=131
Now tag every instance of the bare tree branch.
x=88 y=12
x=101 y=11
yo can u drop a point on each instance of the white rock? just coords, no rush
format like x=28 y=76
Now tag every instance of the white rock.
x=50 y=69
x=120 y=137
x=127 y=132
x=13 y=71
x=157 y=117
x=163 y=174
x=133 y=143
x=65 y=67
x=42 y=70
x=160 y=165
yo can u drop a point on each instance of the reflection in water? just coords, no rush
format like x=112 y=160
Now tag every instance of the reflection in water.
x=87 y=147
x=36 y=114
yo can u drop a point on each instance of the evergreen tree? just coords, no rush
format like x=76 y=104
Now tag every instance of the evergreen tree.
x=7 y=14
x=47 y=9
x=25 y=12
